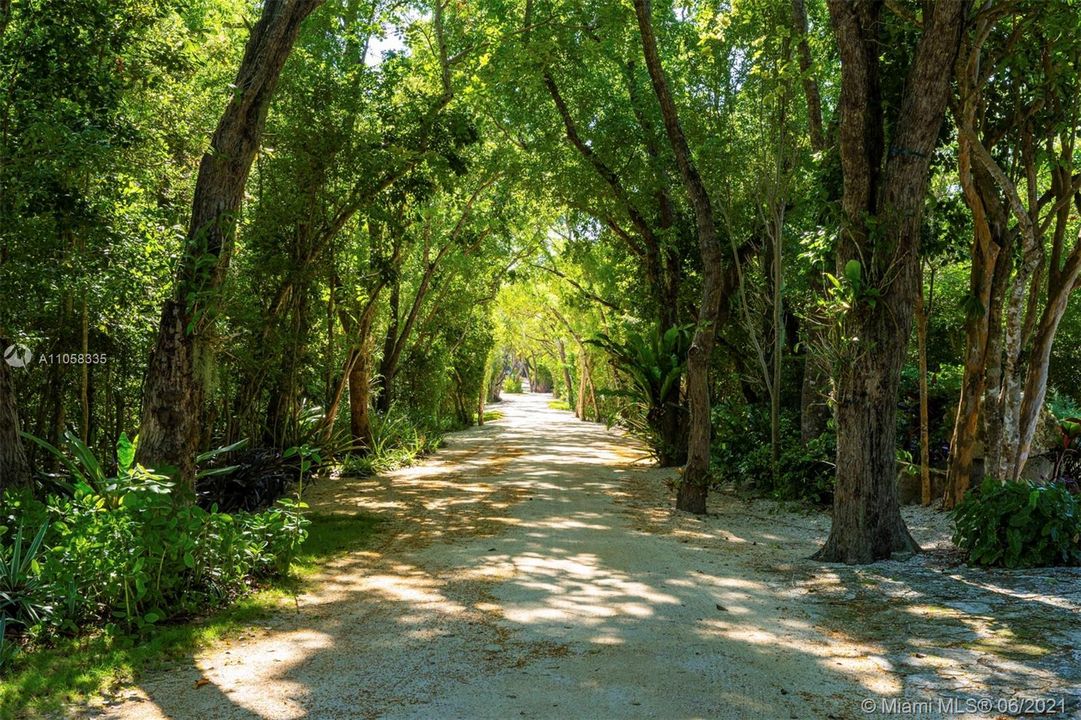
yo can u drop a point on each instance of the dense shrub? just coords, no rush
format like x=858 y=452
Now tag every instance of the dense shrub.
x=143 y=559
x=544 y=380
x=21 y=595
x=397 y=441
x=943 y=391
x=1019 y=524
x=129 y=552
x=742 y=456
x=250 y=480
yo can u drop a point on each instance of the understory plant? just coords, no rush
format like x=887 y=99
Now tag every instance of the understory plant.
x=127 y=551
x=1019 y=524
x=741 y=455
x=397 y=441
x=654 y=363
x=22 y=602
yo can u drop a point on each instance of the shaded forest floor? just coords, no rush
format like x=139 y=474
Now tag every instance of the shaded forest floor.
x=531 y=569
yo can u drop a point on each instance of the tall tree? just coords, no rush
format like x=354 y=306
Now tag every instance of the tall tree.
x=885 y=159
x=175 y=383
x=814 y=392
x=694 y=486
x=1017 y=118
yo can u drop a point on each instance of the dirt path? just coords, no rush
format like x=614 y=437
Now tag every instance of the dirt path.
x=532 y=569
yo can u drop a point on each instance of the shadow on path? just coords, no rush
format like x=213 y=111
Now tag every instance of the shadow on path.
x=533 y=569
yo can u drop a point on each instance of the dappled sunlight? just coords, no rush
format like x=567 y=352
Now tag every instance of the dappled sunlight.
x=1043 y=597
x=862 y=664
x=519 y=563
x=576 y=588
x=279 y=654
x=415 y=591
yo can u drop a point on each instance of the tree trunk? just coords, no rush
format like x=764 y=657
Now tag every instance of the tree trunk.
x=84 y=385
x=14 y=468
x=360 y=419
x=887 y=190
x=1001 y=460
x=580 y=404
x=174 y=391
x=283 y=407
x=966 y=425
x=810 y=84
x=1035 y=390
x=814 y=414
x=778 y=344
x=360 y=378
x=694 y=486
x=568 y=388
x=925 y=433
x=815 y=385
x=588 y=379
x=388 y=361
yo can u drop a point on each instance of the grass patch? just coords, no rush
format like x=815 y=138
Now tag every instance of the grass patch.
x=559 y=405
x=331 y=535
x=40 y=683
x=389 y=459
x=492 y=415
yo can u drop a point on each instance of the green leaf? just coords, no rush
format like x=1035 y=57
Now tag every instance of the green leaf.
x=853 y=273
x=125 y=452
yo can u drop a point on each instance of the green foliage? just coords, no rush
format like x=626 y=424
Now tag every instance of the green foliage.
x=397 y=442
x=943 y=391
x=44 y=681
x=741 y=455
x=148 y=560
x=21 y=596
x=1019 y=524
x=512 y=384
x=1062 y=406
x=125 y=551
x=86 y=471
x=655 y=363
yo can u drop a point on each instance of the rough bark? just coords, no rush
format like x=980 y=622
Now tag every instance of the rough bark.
x=990 y=258
x=174 y=391
x=1013 y=375
x=14 y=467
x=922 y=317
x=360 y=378
x=694 y=486
x=1062 y=283
x=888 y=188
